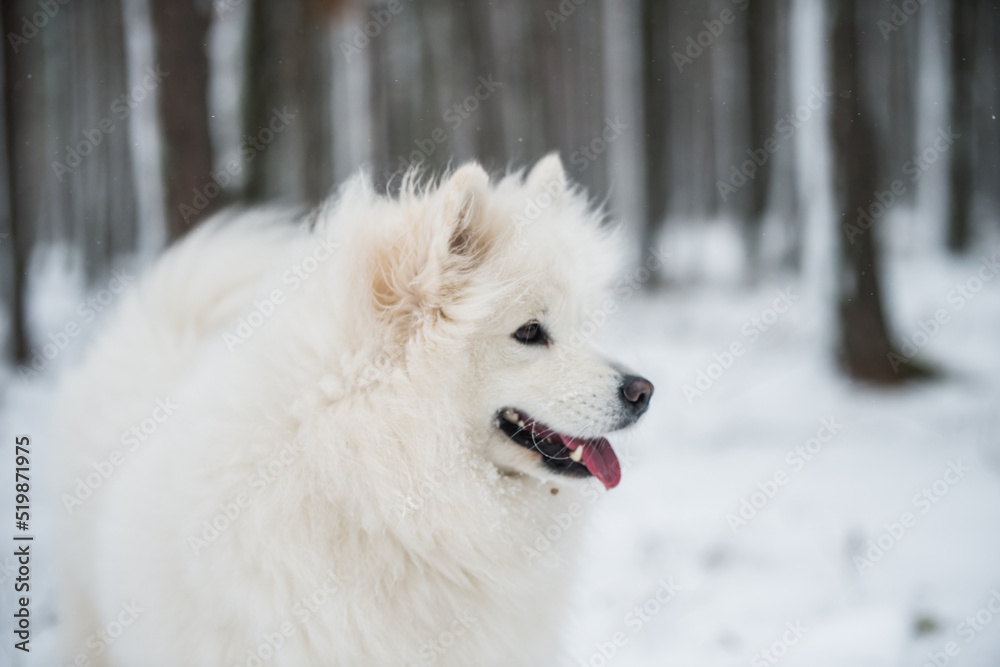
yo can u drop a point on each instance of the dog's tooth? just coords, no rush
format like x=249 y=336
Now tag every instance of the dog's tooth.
x=577 y=454
x=510 y=416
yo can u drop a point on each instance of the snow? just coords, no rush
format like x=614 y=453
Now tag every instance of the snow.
x=787 y=581
x=794 y=561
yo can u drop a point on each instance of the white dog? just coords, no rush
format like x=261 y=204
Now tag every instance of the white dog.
x=336 y=442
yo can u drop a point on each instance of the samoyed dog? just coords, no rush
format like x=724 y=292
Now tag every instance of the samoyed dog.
x=336 y=439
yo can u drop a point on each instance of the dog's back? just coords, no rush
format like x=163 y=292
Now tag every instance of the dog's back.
x=111 y=403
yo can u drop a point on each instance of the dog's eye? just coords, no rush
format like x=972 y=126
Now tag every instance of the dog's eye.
x=531 y=333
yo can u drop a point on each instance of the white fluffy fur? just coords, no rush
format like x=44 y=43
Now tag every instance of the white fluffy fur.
x=380 y=377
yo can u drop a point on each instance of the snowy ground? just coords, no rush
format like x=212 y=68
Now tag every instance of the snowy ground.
x=795 y=562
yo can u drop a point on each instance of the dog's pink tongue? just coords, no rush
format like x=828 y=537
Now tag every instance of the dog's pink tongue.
x=600 y=460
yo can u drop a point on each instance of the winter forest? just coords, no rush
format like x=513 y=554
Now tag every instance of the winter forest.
x=811 y=189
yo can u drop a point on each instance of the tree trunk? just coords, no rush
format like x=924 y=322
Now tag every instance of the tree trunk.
x=656 y=114
x=901 y=116
x=865 y=350
x=785 y=174
x=490 y=133
x=20 y=168
x=181 y=29
x=98 y=198
x=761 y=65
x=960 y=173
x=289 y=67
x=316 y=109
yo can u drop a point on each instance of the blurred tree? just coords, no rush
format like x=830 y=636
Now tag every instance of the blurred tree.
x=568 y=56
x=181 y=28
x=988 y=105
x=474 y=22
x=91 y=100
x=315 y=101
x=901 y=112
x=785 y=172
x=961 y=172
x=987 y=96
x=67 y=162
x=288 y=67
x=693 y=140
x=657 y=65
x=20 y=165
x=865 y=349
x=762 y=84
x=273 y=59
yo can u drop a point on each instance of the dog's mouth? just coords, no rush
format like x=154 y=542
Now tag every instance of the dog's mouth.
x=561 y=453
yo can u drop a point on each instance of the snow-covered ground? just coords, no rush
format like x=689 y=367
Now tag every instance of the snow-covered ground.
x=779 y=510
x=802 y=559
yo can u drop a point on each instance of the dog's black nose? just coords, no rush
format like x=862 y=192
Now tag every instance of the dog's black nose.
x=636 y=391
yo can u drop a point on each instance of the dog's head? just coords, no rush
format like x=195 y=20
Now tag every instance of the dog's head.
x=493 y=293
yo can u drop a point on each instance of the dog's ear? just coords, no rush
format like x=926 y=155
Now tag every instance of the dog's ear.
x=548 y=176
x=463 y=206
x=423 y=268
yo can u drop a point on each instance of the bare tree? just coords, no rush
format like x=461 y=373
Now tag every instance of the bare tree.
x=289 y=71
x=901 y=113
x=960 y=174
x=656 y=113
x=21 y=166
x=762 y=88
x=181 y=28
x=94 y=205
x=314 y=92
x=490 y=137
x=865 y=349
